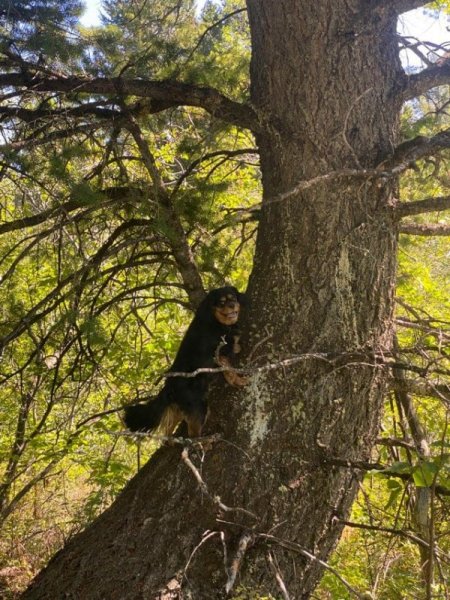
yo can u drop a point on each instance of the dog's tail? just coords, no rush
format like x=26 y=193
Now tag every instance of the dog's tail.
x=150 y=416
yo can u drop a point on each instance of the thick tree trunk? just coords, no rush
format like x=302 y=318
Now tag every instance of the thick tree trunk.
x=324 y=87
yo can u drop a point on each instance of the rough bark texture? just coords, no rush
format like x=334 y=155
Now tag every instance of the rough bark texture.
x=327 y=99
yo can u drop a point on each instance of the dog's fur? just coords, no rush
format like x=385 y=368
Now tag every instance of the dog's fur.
x=211 y=339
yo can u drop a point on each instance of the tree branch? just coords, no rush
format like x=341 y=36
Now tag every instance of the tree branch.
x=402 y=160
x=162 y=94
x=210 y=28
x=57 y=295
x=417 y=84
x=294 y=547
x=420 y=207
x=428 y=230
x=111 y=196
x=32 y=115
x=36 y=140
x=391 y=530
x=398 y=6
x=178 y=241
x=402 y=6
x=441 y=391
x=421 y=147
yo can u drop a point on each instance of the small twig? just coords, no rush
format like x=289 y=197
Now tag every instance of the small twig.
x=278 y=577
x=268 y=367
x=257 y=345
x=300 y=550
x=223 y=342
x=246 y=539
x=210 y=28
x=400 y=532
x=172 y=440
x=206 y=536
x=215 y=499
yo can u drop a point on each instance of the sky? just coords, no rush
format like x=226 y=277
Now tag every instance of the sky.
x=90 y=16
x=415 y=23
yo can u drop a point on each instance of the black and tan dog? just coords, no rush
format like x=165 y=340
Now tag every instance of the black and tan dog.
x=212 y=338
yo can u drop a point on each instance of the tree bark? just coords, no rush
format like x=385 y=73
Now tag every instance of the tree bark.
x=323 y=281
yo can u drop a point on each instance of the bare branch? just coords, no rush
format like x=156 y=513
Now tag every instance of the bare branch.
x=214 y=498
x=279 y=579
x=422 y=387
x=417 y=84
x=162 y=94
x=56 y=296
x=425 y=229
x=394 y=442
x=420 y=147
x=246 y=540
x=399 y=532
x=402 y=6
x=426 y=325
x=382 y=469
x=402 y=160
x=227 y=154
x=294 y=547
x=420 y=207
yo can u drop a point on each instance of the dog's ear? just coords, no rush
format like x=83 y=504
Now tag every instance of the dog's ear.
x=243 y=299
x=204 y=310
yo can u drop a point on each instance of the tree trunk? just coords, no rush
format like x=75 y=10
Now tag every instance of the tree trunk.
x=324 y=81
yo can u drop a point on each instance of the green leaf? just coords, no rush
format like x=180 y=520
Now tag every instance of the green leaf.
x=398 y=468
x=396 y=489
x=425 y=473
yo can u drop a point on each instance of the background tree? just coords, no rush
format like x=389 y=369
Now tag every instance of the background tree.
x=121 y=171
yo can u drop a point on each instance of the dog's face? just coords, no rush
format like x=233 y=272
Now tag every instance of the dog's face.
x=226 y=305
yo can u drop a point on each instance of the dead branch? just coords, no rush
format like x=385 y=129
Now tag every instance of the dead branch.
x=294 y=547
x=394 y=442
x=244 y=542
x=427 y=230
x=393 y=531
x=215 y=499
x=277 y=574
x=227 y=154
x=39 y=114
x=38 y=140
x=403 y=159
x=111 y=196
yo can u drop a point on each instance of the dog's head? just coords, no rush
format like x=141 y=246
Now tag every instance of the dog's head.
x=224 y=304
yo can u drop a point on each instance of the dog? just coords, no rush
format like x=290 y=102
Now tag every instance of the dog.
x=212 y=338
